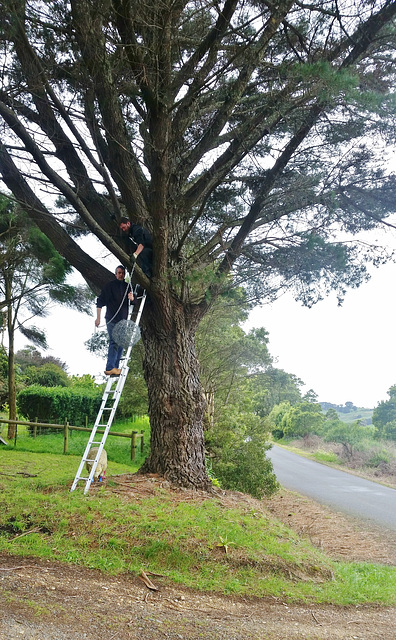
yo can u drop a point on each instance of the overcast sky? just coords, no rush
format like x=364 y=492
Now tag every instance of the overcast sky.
x=343 y=353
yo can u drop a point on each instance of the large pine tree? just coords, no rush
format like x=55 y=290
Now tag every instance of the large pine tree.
x=243 y=134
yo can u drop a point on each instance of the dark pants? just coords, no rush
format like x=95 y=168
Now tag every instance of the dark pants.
x=115 y=352
x=145 y=261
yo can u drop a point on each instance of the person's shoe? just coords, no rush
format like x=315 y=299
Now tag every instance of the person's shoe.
x=113 y=372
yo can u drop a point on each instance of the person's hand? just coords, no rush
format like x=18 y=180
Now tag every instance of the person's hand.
x=134 y=257
x=97 y=322
x=131 y=297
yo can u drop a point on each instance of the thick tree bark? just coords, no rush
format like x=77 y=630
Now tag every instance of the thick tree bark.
x=176 y=400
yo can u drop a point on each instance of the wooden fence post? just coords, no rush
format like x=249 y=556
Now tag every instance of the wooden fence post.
x=35 y=428
x=133 y=445
x=66 y=436
x=142 y=441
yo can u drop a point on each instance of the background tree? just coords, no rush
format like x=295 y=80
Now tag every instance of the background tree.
x=227 y=354
x=299 y=421
x=236 y=436
x=349 y=435
x=30 y=356
x=384 y=415
x=273 y=387
x=244 y=135
x=48 y=375
x=32 y=275
x=303 y=419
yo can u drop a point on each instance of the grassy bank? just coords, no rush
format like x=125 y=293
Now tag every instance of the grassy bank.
x=206 y=543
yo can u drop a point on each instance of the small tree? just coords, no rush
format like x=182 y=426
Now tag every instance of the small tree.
x=349 y=435
x=32 y=275
x=384 y=414
x=299 y=420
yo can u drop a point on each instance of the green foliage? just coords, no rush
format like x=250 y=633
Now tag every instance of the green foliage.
x=300 y=420
x=379 y=458
x=326 y=456
x=98 y=343
x=48 y=375
x=3 y=375
x=277 y=419
x=273 y=387
x=388 y=431
x=225 y=352
x=237 y=446
x=384 y=416
x=85 y=381
x=55 y=404
x=35 y=335
x=349 y=435
x=134 y=399
x=232 y=365
x=303 y=419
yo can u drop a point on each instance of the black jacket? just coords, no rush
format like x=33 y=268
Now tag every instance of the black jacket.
x=114 y=296
x=140 y=235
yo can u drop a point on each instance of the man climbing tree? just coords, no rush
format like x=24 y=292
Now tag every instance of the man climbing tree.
x=242 y=135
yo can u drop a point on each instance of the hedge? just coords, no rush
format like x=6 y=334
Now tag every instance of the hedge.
x=56 y=404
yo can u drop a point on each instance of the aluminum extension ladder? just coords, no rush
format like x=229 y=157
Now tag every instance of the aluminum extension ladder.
x=110 y=399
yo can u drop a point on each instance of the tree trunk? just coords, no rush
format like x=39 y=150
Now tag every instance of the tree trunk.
x=176 y=401
x=11 y=365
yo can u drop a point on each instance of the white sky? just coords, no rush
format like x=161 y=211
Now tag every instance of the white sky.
x=343 y=353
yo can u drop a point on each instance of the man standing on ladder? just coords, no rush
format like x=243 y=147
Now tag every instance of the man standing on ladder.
x=114 y=296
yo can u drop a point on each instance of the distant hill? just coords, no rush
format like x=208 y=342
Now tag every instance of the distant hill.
x=349 y=412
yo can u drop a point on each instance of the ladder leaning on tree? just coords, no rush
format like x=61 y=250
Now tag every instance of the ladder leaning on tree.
x=110 y=399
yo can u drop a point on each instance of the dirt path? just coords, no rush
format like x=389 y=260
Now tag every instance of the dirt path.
x=42 y=600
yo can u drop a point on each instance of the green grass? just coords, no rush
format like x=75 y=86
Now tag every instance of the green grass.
x=359 y=414
x=118 y=449
x=171 y=534
x=326 y=456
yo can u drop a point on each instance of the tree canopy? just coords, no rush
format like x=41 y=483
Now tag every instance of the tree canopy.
x=246 y=136
x=242 y=134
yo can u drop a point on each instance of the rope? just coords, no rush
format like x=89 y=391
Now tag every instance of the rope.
x=129 y=286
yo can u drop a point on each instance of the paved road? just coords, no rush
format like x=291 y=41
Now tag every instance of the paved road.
x=340 y=490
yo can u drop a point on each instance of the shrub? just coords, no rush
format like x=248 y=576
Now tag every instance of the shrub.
x=379 y=459
x=237 y=446
x=55 y=404
x=47 y=375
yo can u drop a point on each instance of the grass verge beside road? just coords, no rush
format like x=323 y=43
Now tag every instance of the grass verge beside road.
x=211 y=543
